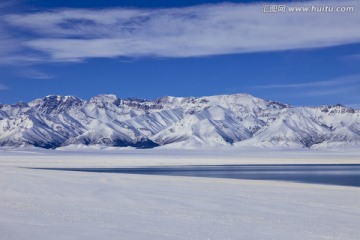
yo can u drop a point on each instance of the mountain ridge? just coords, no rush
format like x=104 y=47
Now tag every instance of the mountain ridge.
x=237 y=119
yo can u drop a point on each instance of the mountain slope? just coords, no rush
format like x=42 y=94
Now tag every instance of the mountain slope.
x=238 y=119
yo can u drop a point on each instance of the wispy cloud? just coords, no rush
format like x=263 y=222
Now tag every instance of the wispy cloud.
x=354 y=105
x=354 y=79
x=76 y=34
x=342 y=90
x=31 y=73
x=12 y=49
x=340 y=87
x=353 y=57
x=3 y=87
x=7 y=45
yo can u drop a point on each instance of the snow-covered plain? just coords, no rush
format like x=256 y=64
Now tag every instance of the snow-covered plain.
x=53 y=204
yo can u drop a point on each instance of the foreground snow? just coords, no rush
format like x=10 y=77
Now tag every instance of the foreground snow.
x=43 y=204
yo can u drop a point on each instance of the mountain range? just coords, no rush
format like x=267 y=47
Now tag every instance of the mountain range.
x=238 y=120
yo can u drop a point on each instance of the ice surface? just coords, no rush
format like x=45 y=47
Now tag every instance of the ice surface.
x=44 y=204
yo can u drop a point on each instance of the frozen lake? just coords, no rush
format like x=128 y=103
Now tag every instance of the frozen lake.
x=334 y=174
x=179 y=195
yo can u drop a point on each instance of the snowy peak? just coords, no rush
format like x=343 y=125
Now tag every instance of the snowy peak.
x=238 y=119
x=105 y=99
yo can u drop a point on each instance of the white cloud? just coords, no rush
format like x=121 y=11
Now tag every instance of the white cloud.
x=76 y=34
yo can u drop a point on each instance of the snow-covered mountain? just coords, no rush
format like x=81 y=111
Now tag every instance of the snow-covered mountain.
x=239 y=120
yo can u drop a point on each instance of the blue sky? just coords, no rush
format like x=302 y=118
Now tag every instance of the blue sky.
x=149 y=49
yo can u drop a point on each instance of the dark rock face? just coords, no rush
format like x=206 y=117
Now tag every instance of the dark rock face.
x=338 y=108
x=58 y=104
